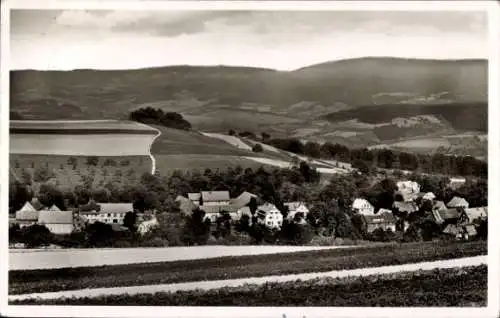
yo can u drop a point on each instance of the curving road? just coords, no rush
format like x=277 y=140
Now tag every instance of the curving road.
x=206 y=285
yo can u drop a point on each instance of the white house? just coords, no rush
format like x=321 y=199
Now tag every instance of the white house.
x=269 y=215
x=362 y=206
x=108 y=212
x=58 y=222
x=456 y=183
x=146 y=226
x=296 y=207
x=27 y=215
x=408 y=187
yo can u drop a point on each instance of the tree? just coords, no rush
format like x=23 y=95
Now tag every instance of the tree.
x=36 y=235
x=42 y=175
x=196 y=229
x=231 y=132
x=19 y=194
x=257 y=148
x=92 y=161
x=129 y=221
x=99 y=234
x=362 y=166
x=49 y=195
x=265 y=136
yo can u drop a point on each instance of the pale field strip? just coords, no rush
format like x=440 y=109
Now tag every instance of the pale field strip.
x=207 y=285
x=59 y=258
x=271 y=162
x=232 y=140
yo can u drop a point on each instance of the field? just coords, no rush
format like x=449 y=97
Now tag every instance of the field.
x=460 y=287
x=51 y=280
x=80 y=127
x=61 y=258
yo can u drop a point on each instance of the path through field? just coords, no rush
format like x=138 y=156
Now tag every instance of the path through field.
x=206 y=285
x=43 y=259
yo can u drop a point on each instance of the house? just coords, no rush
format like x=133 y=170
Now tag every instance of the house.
x=472 y=215
x=446 y=216
x=215 y=198
x=106 y=212
x=269 y=215
x=455 y=183
x=28 y=214
x=458 y=202
x=409 y=187
x=296 y=207
x=362 y=206
x=146 y=226
x=408 y=207
x=212 y=212
x=384 y=220
x=58 y=222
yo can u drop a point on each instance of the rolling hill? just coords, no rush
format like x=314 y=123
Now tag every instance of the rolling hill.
x=317 y=102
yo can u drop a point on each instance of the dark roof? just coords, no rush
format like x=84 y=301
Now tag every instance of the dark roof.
x=449 y=214
x=243 y=199
x=384 y=217
x=218 y=208
x=116 y=207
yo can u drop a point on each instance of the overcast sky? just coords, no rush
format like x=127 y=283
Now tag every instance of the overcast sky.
x=285 y=40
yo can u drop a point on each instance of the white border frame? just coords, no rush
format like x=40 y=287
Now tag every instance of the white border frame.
x=492 y=310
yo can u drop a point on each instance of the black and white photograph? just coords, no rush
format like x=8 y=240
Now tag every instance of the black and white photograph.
x=249 y=156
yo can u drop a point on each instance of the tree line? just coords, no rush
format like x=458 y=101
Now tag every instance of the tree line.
x=156 y=116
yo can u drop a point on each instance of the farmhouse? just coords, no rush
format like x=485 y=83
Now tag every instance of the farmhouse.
x=269 y=215
x=296 y=207
x=384 y=220
x=408 y=187
x=214 y=198
x=212 y=212
x=458 y=202
x=447 y=216
x=106 y=212
x=28 y=214
x=472 y=215
x=439 y=205
x=58 y=222
x=362 y=206
x=456 y=183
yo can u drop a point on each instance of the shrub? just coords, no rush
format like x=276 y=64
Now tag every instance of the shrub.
x=257 y=148
x=92 y=161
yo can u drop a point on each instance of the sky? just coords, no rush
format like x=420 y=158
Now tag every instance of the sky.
x=283 y=40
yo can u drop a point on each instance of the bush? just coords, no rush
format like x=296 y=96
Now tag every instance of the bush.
x=257 y=148
x=36 y=236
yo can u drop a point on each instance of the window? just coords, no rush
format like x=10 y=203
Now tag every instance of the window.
x=109 y=215
x=115 y=221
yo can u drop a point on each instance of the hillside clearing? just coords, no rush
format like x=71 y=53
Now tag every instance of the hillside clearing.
x=232 y=140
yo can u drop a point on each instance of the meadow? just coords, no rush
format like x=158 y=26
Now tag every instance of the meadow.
x=231 y=267
x=457 y=287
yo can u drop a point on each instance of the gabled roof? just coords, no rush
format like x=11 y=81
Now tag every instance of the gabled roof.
x=185 y=205
x=444 y=215
x=55 y=217
x=359 y=203
x=458 y=202
x=409 y=207
x=181 y=198
x=116 y=207
x=27 y=207
x=54 y=208
x=267 y=207
x=476 y=213
x=210 y=196
x=293 y=206
x=194 y=196
x=379 y=218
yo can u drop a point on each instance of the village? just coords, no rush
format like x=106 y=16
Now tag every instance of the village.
x=454 y=219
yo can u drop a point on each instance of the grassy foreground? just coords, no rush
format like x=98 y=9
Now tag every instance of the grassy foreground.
x=463 y=287
x=51 y=280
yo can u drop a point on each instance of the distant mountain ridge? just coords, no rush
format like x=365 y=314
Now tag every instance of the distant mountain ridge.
x=302 y=102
